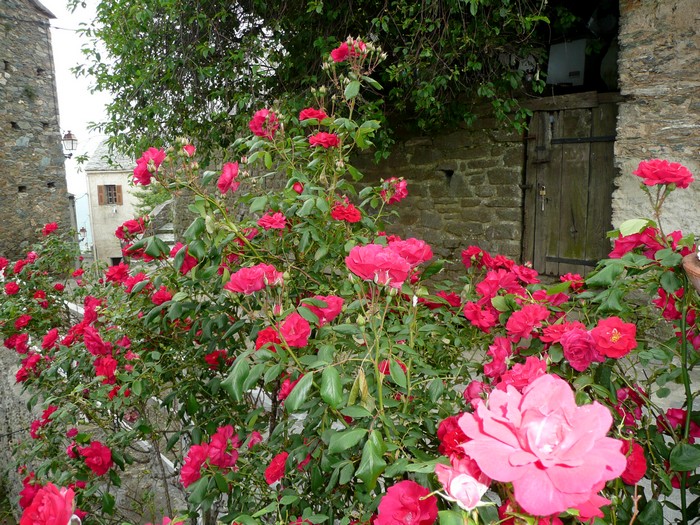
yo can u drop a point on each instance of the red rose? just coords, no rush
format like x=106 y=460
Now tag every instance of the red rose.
x=484 y=316
x=308 y=113
x=254 y=278
x=161 y=296
x=377 y=263
x=50 y=506
x=49 y=339
x=407 y=503
x=346 y=212
x=227 y=179
x=264 y=124
x=286 y=388
x=658 y=171
x=327 y=140
x=636 y=462
x=522 y=374
x=298 y=187
x=11 y=288
x=118 y=273
x=295 y=330
x=223 y=447
x=267 y=337
x=188 y=262
x=523 y=322
x=614 y=338
x=275 y=471
x=98 y=457
x=49 y=228
x=3 y=263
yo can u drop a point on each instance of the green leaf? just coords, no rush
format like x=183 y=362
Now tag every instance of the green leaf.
x=669 y=282
x=298 y=395
x=195 y=229
x=233 y=384
x=269 y=508
x=436 y=389
x=342 y=441
x=632 y=226
x=352 y=89
x=268 y=160
x=306 y=208
x=451 y=517
x=107 y=503
x=136 y=388
x=397 y=373
x=289 y=499
x=199 y=491
x=372 y=463
x=685 y=457
x=307 y=314
x=331 y=387
x=606 y=276
x=258 y=204
x=372 y=82
x=355 y=174
x=652 y=513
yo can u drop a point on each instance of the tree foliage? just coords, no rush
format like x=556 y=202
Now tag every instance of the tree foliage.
x=197 y=67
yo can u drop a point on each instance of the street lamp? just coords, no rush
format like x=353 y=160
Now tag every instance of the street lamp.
x=70 y=144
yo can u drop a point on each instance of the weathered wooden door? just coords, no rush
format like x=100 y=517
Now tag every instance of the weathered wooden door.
x=569 y=183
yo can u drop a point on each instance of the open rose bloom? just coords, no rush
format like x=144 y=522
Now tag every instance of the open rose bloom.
x=556 y=454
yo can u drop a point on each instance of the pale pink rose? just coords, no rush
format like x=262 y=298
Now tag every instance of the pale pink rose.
x=463 y=482
x=413 y=250
x=554 y=452
x=377 y=263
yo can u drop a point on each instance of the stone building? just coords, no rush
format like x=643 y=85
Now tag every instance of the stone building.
x=550 y=197
x=32 y=172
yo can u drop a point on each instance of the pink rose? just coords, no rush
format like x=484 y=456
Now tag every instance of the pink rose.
x=477 y=257
x=227 y=179
x=98 y=457
x=188 y=262
x=407 y=503
x=254 y=278
x=49 y=228
x=326 y=313
x=254 y=439
x=223 y=447
x=298 y=187
x=192 y=467
x=614 y=338
x=264 y=124
x=658 y=171
x=295 y=330
x=522 y=374
x=327 y=140
x=394 y=190
x=523 y=322
x=50 y=506
x=463 y=482
x=377 y=263
x=309 y=113
x=340 y=53
x=579 y=349
x=189 y=150
x=275 y=471
x=271 y=221
x=555 y=453
x=147 y=165
x=484 y=317
x=415 y=251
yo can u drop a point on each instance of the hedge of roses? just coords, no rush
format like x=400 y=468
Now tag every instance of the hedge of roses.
x=302 y=366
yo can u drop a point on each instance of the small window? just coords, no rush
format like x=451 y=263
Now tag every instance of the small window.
x=115 y=261
x=109 y=194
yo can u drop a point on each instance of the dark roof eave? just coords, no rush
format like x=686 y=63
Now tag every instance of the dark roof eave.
x=39 y=7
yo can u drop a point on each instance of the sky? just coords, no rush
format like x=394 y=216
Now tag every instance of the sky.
x=78 y=107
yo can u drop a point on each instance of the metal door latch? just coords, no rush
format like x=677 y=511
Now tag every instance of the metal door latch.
x=543 y=196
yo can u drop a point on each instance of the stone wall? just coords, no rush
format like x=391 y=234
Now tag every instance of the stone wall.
x=464 y=188
x=32 y=172
x=659 y=65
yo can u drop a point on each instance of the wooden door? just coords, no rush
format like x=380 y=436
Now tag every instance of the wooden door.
x=569 y=183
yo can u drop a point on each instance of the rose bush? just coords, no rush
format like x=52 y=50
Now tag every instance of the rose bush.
x=298 y=365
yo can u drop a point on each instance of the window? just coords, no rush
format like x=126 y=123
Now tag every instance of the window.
x=109 y=194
